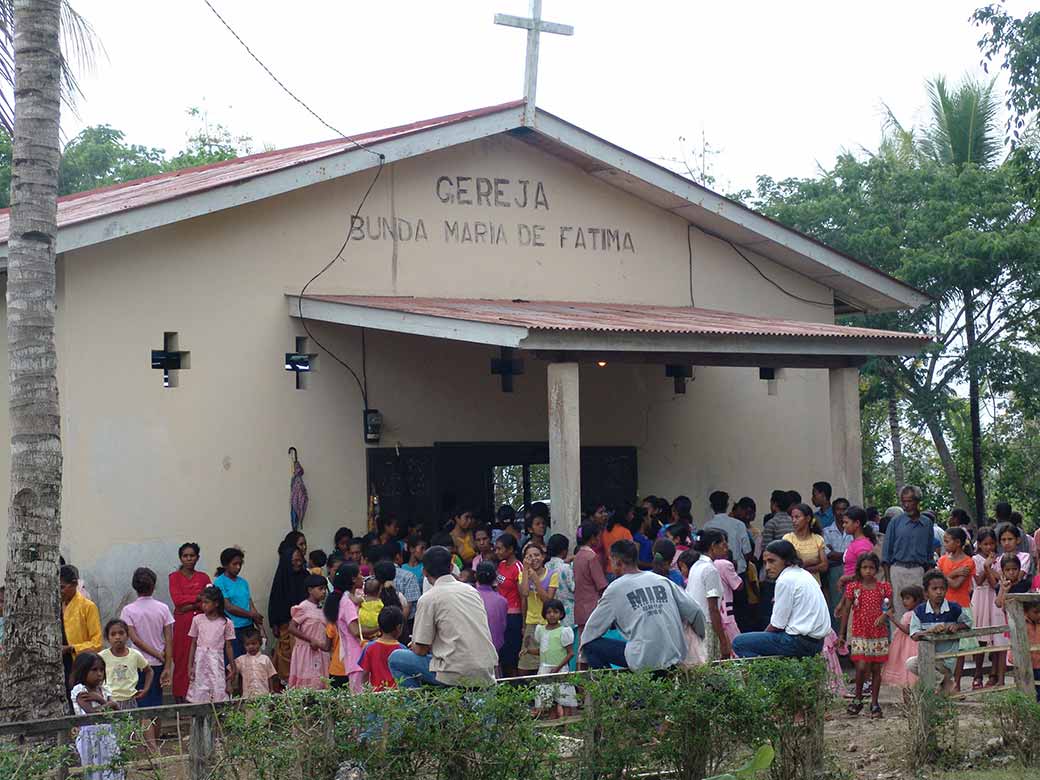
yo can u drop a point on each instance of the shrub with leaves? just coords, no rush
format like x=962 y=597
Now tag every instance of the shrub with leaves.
x=713 y=714
x=932 y=733
x=1018 y=717
x=795 y=692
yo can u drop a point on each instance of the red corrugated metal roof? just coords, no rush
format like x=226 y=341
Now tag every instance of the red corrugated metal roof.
x=618 y=317
x=84 y=206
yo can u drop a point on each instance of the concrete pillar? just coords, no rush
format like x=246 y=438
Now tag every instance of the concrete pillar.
x=564 y=449
x=846 y=444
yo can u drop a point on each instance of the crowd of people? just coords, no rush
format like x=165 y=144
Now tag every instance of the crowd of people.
x=641 y=587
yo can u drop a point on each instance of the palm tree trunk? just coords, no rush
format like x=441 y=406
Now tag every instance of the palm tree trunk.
x=973 y=402
x=897 y=439
x=31 y=684
x=960 y=498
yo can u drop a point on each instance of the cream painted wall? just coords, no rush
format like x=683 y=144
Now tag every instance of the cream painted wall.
x=147 y=468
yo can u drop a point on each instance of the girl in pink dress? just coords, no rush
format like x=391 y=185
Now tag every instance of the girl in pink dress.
x=983 y=606
x=342 y=612
x=210 y=657
x=902 y=647
x=730 y=582
x=309 y=665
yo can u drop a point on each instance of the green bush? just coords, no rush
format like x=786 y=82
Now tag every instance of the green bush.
x=685 y=725
x=1018 y=717
x=932 y=728
x=713 y=714
x=21 y=762
x=794 y=692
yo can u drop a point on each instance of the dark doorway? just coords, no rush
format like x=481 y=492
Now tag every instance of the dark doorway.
x=423 y=485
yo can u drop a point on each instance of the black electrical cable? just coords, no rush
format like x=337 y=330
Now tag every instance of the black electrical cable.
x=284 y=88
x=354 y=217
x=776 y=284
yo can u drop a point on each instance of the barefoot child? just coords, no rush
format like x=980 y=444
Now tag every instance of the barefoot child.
x=554 y=646
x=984 y=609
x=1012 y=580
x=959 y=568
x=255 y=668
x=938 y=616
x=902 y=647
x=309 y=666
x=96 y=745
x=123 y=665
x=211 y=634
x=865 y=599
x=375 y=658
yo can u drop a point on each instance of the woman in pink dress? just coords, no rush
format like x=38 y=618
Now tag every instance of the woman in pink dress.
x=186 y=585
x=902 y=647
x=309 y=666
x=342 y=612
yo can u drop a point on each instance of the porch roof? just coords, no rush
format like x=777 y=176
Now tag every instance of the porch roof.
x=585 y=331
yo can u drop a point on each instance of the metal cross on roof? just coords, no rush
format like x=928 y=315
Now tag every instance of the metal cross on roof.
x=534 y=26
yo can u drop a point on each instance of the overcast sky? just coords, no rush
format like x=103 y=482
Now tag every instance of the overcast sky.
x=778 y=88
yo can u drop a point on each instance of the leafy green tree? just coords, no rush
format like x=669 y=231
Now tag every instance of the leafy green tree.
x=1016 y=44
x=99 y=156
x=208 y=144
x=941 y=228
x=962 y=131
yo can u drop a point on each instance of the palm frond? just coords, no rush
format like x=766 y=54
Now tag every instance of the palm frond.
x=964 y=123
x=80 y=48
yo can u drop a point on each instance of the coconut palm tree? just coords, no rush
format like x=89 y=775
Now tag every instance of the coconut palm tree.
x=963 y=129
x=80 y=47
x=31 y=673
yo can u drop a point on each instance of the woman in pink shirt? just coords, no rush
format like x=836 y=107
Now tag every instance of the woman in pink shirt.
x=589 y=578
x=863 y=541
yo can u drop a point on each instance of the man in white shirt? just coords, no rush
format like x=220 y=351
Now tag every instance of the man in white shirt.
x=800 y=619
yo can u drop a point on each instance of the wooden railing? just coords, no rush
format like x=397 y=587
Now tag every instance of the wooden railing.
x=1019 y=647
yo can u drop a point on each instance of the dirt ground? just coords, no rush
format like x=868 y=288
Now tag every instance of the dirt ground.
x=863 y=749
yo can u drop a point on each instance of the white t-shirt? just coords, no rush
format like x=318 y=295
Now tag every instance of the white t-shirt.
x=704 y=583
x=799 y=607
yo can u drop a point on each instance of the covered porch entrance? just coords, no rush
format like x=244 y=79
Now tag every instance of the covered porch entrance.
x=426 y=484
x=743 y=431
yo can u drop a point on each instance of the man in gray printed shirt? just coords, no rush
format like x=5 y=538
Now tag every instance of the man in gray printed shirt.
x=649 y=610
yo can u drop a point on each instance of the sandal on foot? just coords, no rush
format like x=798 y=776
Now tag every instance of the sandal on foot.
x=976 y=685
x=875 y=712
x=855 y=707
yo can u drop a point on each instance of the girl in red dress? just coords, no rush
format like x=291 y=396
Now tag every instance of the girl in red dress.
x=864 y=598
x=186 y=585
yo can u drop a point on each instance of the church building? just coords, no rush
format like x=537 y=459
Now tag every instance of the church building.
x=515 y=291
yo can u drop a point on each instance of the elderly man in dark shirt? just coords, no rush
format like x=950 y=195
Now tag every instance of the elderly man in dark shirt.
x=909 y=548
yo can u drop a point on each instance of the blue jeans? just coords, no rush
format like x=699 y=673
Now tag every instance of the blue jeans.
x=411 y=670
x=759 y=643
x=602 y=653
